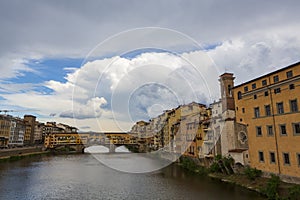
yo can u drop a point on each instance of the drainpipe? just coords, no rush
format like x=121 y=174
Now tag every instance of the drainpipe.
x=275 y=127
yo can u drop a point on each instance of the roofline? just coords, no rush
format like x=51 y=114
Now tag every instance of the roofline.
x=274 y=72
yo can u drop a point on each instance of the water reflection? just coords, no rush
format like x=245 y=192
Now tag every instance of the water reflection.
x=83 y=177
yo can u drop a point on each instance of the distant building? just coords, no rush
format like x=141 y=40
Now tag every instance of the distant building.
x=269 y=107
x=38 y=132
x=17 y=132
x=5 y=122
x=29 y=129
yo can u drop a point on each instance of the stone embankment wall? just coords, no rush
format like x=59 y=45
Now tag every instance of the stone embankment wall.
x=4 y=153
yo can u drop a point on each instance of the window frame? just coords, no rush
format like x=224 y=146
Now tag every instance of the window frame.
x=275 y=78
x=294 y=128
x=295 y=106
x=264 y=82
x=261 y=156
x=270 y=127
x=289 y=74
x=259 y=132
x=239 y=95
x=268 y=111
x=266 y=93
x=272 y=153
x=280 y=128
x=246 y=89
x=256 y=112
x=278 y=108
x=253 y=86
x=284 y=158
x=277 y=90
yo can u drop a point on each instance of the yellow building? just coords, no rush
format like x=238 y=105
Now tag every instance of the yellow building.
x=4 y=130
x=174 y=117
x=29 y=129
x=269 y=106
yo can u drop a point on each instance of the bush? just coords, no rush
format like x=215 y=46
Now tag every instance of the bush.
x=271 y=189
x=252 y=173
x=188 y=164
x=294 y=193
x=215 y=168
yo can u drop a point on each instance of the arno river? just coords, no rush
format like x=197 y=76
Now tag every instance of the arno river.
x=83 y=177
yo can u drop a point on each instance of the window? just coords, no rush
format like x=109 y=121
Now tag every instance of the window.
x=270 y=130
x=298 y=159
x=289 y=74
x=294 y=105
x=246 y=89
x=266 y=93
x=256 y=112
x=272 y=157
x=286 y=158
x=255 y=96
x=268 y=110
x=243 y=110
x=253 y=85
x=258 y=131
x=296 y=127
x=229 y=90
x=277 y=90
x=239 y=95
x=280 y=109
x=264 y=82
x=282 y=129
x=276 y=78
x=292 y=86
x=261 y=156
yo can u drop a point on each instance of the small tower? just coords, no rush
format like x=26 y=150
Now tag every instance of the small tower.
x=226 y=85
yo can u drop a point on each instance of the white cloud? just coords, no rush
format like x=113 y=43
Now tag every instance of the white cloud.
x=92 y=109
x=254 y=37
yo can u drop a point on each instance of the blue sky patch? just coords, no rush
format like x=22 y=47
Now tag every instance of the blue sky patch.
x=48 y=69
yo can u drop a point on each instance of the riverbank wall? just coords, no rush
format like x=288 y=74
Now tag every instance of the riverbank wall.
x=11 y=154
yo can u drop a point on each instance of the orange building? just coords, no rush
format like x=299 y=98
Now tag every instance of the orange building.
x=269 y=106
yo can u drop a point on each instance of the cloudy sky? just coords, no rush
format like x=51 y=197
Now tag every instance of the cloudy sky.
x=102 y=65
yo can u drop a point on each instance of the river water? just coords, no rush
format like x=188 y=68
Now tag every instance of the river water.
x=84 y=177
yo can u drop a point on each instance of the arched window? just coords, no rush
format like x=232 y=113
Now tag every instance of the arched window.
x=239 y=95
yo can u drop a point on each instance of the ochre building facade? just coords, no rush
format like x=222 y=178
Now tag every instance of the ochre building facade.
x=269 y=107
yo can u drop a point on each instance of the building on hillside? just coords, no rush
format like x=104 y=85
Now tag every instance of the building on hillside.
x=5 y=121
x=29 y=129
x=269 y=106
x=233 y=134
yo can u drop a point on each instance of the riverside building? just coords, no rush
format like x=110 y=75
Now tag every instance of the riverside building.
x=269 y=107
